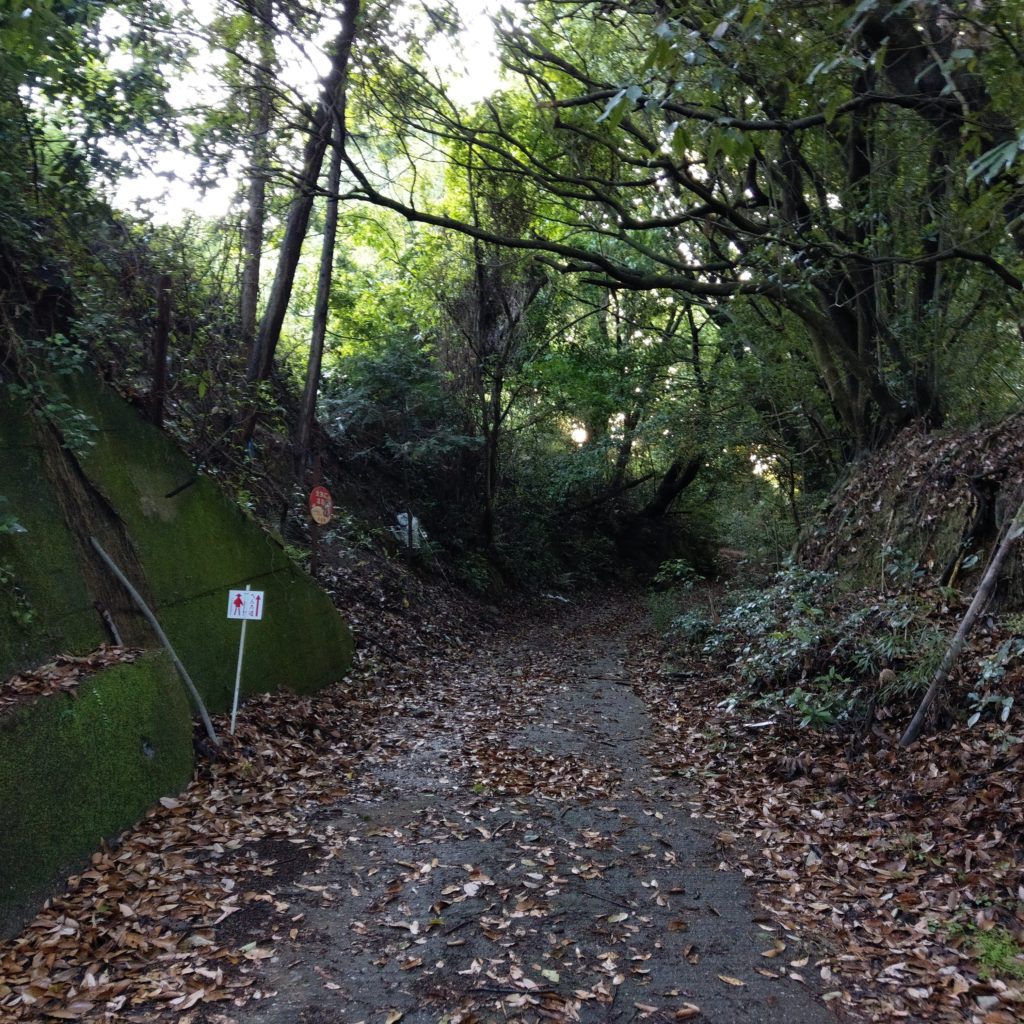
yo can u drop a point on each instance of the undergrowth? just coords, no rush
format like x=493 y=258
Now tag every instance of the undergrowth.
x=999 y=953
x=808 y=645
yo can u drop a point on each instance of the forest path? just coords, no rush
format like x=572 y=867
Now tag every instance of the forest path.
x=508 y=852
x=473 y=828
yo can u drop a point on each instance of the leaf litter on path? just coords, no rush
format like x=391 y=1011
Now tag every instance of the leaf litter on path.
x=902 y=861
x=430 y=828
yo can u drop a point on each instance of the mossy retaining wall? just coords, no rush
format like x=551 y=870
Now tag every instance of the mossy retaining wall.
x=45 y=606
x=184 y=551
x=195 y=546
x=188 y=549
x=78 y=768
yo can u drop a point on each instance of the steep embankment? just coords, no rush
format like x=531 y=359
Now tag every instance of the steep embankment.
x=931 y=504
x=79 y=764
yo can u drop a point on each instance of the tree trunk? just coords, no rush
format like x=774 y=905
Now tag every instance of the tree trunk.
x=255 y=217
x=679 y=476
x=492 y=434
x=330 y=109
x=910 y=44
x=307 y=410
x=625 y=452
x=161 y=342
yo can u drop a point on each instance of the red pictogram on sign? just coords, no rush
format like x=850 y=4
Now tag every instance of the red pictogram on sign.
x=245 y=604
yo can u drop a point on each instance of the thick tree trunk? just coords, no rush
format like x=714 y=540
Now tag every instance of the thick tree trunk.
x=680 y=475
x=330 y=109
x=911 y=39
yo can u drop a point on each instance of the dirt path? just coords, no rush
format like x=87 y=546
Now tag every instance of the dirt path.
x=531 y=822
x=508 y=852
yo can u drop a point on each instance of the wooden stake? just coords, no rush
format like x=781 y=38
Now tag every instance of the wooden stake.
x=984 y=592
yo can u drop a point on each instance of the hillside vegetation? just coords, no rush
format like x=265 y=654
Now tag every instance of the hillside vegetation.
x=666 y=295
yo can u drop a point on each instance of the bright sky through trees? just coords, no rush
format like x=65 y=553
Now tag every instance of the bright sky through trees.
x=166 y=186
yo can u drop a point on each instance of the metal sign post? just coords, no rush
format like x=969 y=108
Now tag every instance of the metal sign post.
x=245 y=605
x=321 y=509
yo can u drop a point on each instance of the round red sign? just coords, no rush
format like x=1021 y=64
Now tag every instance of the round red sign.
x=321 y=505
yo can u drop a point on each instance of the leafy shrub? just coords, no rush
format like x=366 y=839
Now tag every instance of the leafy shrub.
x=673 y=610
x=692 y=627
x=893 y=632
x=42 y=365
x=777 y=629
x=991 y=672
x=803 y=645
x=980 y=703
x=678 y=573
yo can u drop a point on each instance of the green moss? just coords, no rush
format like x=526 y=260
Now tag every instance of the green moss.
x=77 y=769
x=44 y=604
x=192 y=547
x=999 y=954
x=196 y=546
x=73 y=770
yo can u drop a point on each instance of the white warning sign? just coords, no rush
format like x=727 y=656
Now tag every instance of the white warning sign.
x=245 y=604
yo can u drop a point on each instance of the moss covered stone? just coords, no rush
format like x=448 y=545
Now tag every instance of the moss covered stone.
x=73 y=770
x=76 y=769
x=191 y=548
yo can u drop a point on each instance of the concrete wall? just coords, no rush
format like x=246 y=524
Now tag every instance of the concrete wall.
x=183 y=552
x=75 y=769
x=71 y=770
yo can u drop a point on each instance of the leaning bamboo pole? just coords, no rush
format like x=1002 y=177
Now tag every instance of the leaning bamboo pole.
x=162 y=637
x=984 y=592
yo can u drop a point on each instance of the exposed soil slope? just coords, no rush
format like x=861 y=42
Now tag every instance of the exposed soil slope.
x=932 y=503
